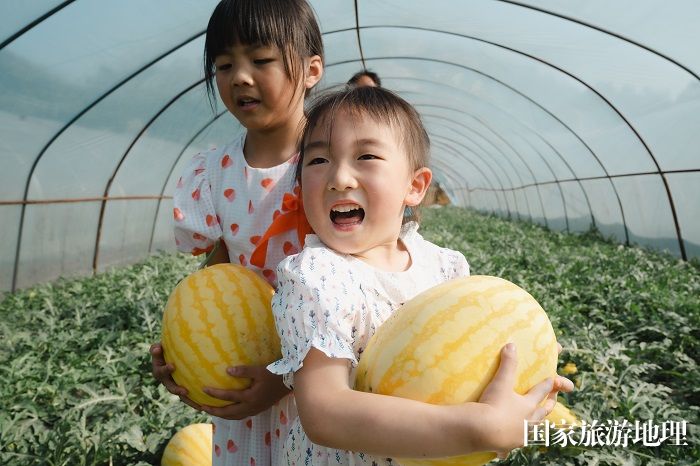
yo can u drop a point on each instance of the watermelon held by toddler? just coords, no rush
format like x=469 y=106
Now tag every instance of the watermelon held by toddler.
x=444 y=345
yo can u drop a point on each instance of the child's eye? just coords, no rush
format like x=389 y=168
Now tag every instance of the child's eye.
x=316 y=161
x=367 y=157
x=223 y=67
x=262 y=61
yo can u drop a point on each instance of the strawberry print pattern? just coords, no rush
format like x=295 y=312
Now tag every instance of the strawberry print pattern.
x=334 y=302
x=220 y=197
x=230 y=194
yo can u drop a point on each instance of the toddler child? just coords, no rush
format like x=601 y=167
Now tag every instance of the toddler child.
x=363 y=165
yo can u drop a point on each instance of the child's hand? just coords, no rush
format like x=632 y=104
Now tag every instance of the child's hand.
x=264 y=391
x=163 y=373
x=509 y=408
x=561 y=384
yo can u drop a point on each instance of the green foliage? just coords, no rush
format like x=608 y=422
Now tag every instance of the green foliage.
x=75 y=369
x=77 y=389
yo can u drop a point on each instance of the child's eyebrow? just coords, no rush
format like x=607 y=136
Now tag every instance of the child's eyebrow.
x=320 y=144
x=254 y=47
x=370 y=142
x=316 y=145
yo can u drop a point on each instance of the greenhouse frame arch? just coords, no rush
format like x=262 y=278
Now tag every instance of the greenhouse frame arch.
x=571 y=115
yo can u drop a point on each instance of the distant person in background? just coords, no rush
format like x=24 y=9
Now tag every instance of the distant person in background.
x=365 y=78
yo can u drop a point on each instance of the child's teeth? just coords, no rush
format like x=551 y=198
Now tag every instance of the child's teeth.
x=346 y=208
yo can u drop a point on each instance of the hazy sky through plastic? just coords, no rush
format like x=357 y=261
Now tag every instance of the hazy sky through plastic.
x=109 y=31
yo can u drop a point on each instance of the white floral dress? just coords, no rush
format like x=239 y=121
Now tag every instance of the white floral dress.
x=221 y=196
x=334 y=302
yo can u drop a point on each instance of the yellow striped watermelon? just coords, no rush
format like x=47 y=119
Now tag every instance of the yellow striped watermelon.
x=217 y=317
x=562 y=416
x=443 y=347
x=190 y=446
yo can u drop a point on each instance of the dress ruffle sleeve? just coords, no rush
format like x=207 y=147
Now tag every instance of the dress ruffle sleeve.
x=456 y=264
x=315 y=306
x=196 y=223
x=451 y=263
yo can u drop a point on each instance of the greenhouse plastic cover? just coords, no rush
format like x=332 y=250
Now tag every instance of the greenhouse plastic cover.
x=569 y=114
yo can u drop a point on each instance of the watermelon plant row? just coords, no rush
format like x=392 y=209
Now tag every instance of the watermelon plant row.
x=75 y=374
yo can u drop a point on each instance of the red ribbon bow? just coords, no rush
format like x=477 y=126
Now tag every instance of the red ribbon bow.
x=292 y=217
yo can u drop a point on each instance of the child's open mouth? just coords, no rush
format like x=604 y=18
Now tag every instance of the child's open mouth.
x=247 y=102
x=347 y=214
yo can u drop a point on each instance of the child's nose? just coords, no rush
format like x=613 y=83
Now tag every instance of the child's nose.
x=342 y=179
x=241 y=76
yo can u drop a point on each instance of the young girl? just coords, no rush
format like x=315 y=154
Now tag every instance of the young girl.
x=264 y=55
x=363 y=163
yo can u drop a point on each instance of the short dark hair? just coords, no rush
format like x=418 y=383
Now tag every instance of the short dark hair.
x=289 y=25
x=383 y=107
x=370 y=74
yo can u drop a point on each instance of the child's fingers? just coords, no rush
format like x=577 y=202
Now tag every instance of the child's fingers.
x=163 y=373
x=503 y=380
x=161 y=370
x=562 y=384
x=506 y=369
x=158 y=359
x=233 y=396
x=540 y=391
x=170 y=385
x=155 y=349
x=542 y=411
x=173 y=387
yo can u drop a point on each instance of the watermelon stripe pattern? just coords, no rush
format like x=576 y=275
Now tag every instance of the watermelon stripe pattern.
x=218 y=317
x=443 y=346
x=191 y=446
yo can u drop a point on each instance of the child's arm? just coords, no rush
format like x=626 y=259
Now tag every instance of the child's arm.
x=219 y=255
x=336 y=416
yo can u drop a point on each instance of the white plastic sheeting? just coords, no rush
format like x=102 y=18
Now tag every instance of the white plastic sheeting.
x=568 y=114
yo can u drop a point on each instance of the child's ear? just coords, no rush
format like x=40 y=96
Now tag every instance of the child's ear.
x=314 y=71
x=419 y=186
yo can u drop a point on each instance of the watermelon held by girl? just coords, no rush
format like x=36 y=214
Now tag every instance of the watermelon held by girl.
x=218 y=317
x=443 y=347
